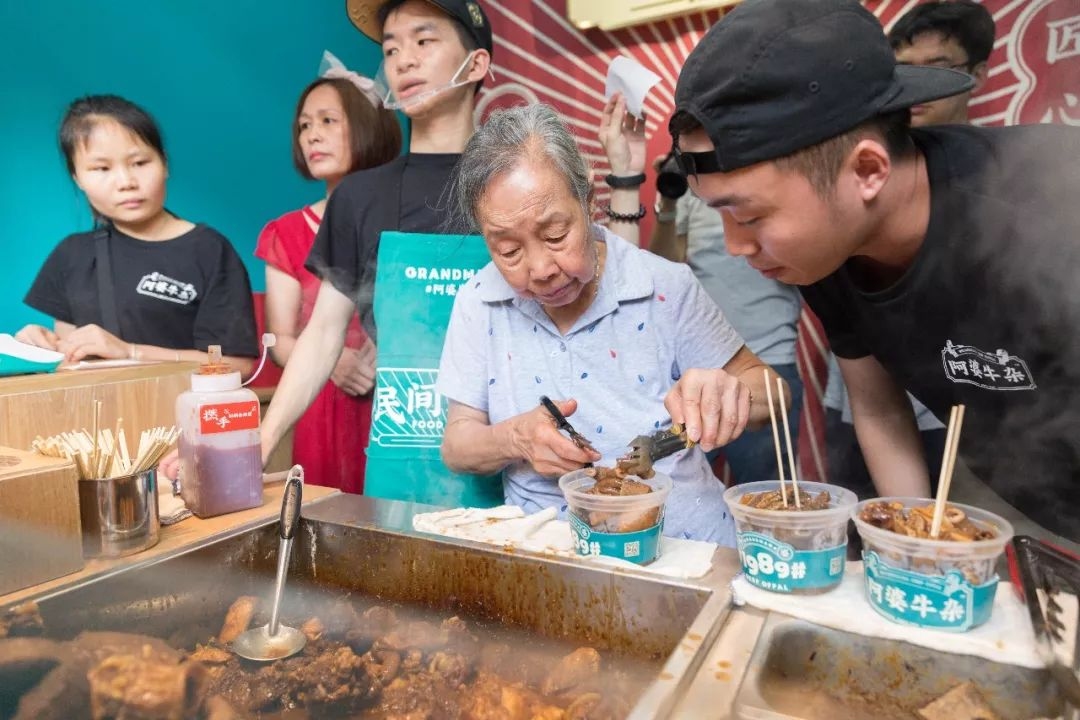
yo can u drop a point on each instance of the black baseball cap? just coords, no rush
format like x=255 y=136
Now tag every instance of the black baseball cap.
x=365 y=16
x=776 y=76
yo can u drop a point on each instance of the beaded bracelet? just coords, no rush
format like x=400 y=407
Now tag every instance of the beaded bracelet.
x=625 y=217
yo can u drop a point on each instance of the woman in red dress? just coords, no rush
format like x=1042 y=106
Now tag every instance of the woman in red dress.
x=339 y=127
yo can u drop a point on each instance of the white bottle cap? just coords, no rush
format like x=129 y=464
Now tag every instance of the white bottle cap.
x=215 y=383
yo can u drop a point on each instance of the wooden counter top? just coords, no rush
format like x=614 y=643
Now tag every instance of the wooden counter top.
x=143 y=395
x=90 y=375
x=184 y=534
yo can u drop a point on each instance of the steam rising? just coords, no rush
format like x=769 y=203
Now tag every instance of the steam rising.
x=1016 y=284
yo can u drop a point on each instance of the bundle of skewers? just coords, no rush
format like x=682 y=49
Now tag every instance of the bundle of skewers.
x=798 y=497
x=100 y=454
x=948 y=464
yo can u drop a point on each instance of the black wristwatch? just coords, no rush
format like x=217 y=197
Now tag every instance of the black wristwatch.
x=625 y=181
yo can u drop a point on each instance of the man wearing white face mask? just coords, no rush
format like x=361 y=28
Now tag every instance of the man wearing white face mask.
x=423 y=41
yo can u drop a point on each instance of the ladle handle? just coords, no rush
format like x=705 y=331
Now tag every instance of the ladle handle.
x=290 y=503
x=290 y=518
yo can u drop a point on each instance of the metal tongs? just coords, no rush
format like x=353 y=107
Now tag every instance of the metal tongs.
x=1039 y=566
x=647 y=449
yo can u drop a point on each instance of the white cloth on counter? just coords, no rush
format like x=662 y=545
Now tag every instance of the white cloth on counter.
x=508 y=526
x=171 y=508
x=1007 y=637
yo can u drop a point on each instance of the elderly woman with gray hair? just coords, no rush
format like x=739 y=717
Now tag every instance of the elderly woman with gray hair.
x=624 y=341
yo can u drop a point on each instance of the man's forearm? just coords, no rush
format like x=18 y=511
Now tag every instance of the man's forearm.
x=312 y=359
x=893 y=452
x=886 y=429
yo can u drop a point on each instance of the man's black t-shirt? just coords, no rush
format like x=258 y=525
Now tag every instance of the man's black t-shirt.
x=407 y=194
x=988 y=314
x=188 y=292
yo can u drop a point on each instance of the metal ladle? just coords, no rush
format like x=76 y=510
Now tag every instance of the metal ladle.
x=275 y=641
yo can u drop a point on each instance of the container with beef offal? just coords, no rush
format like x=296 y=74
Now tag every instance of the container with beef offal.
x=787 y=549
x=624 y=526
x=947 y=583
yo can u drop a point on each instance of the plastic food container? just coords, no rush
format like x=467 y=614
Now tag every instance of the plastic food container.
x=937 y=584
x=801 y=552
x=627 y=527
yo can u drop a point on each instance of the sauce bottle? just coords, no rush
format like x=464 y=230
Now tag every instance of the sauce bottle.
x=220 y=452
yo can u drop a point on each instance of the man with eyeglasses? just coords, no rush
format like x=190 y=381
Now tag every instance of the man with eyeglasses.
x=958 y=35
x=941 y=260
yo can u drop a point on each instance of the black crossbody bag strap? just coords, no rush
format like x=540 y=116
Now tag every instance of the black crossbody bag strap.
x=106 y=295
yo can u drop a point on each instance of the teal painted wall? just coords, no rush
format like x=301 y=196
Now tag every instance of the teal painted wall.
x=222 y=79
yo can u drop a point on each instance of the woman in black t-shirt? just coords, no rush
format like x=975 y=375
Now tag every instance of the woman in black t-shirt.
x=144 y=284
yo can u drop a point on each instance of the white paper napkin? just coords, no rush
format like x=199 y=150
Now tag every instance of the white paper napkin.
x=632 y=79
x=542 y=532
x=1006 y=637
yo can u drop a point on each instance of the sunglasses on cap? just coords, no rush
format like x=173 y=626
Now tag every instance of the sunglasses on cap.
x=695 y=163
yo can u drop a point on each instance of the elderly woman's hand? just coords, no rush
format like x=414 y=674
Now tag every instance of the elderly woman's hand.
x=548 y=451
x=623 y=137
x=713 y=405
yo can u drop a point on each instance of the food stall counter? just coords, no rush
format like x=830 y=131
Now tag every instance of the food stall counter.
x=357 y=553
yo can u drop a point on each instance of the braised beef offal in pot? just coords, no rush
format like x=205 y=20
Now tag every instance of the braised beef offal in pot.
x=360 y=662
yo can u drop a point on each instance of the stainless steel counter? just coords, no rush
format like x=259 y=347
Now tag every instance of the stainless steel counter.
x=368 y=546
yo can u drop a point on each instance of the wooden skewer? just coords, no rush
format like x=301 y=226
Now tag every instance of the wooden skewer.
x=114 y=459
x=97 y=424
x=787 y=437
x=948 y=463
x=775 y=436
x=83 y=463
x=125 y=459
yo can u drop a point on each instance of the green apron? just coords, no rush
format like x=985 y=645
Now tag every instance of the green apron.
x=416 y=280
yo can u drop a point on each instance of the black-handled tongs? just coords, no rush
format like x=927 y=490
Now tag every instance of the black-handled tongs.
x=563 y=424
x=647 y=449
